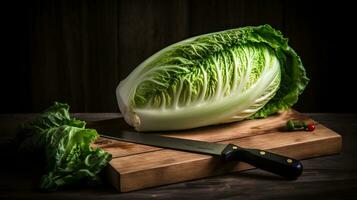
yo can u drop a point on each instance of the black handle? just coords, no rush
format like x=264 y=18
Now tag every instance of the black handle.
x=274 y=163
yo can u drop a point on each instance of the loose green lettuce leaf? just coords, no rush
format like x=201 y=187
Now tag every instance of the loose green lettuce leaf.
x=65 y=142
x=221 y=77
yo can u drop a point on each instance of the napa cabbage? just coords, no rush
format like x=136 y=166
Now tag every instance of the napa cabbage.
x=232 y=75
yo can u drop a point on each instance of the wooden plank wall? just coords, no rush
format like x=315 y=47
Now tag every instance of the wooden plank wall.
x=78 y=51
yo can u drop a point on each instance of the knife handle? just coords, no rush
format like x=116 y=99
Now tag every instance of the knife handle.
x=284 y=166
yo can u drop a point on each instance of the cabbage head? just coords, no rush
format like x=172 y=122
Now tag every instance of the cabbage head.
x=232 y=75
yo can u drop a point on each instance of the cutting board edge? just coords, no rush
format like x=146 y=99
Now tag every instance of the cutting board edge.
x=112 y=176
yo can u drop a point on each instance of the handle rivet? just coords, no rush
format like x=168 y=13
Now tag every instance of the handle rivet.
x=262 y=152
x=289 y=161
x=234 y=147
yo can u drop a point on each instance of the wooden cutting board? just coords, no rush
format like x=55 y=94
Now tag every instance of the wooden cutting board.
x=137 y=166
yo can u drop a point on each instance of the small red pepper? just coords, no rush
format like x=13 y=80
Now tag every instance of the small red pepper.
x=295 y=125
x=310 y=127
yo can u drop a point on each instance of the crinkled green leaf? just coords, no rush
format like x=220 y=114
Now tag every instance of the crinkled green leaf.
x=293 y=75
x=65 y=142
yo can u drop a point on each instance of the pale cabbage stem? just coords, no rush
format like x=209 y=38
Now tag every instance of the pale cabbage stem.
x=203 y=92
x=219 y=79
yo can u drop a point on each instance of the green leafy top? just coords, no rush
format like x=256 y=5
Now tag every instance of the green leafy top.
x=293 y=78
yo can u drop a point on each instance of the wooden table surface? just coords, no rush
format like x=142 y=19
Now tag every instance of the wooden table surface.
x=329 y=177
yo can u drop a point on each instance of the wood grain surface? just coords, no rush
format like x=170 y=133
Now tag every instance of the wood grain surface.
x=137 y=166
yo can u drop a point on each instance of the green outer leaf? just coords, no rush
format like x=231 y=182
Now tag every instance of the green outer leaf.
x=65 y=142
x=293 y=78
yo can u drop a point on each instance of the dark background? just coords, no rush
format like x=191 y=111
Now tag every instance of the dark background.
x=78 y=51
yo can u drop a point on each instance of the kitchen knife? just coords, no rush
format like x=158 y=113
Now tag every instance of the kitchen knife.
x=277 y=164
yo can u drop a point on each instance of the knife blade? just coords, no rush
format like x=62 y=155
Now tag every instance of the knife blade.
x=278 y=164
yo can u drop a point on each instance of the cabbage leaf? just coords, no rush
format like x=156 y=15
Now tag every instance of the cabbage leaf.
x=65 y=144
